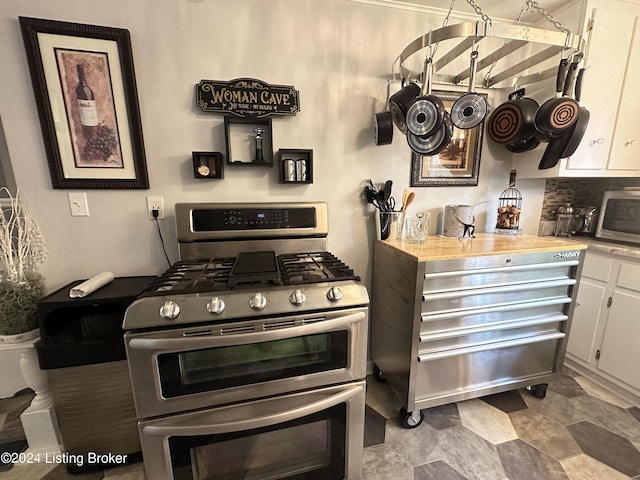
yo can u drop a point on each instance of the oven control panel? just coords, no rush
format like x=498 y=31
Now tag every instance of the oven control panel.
x=215 y=221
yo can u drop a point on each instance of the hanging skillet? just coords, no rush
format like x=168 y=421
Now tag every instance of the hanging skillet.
x=581 y=124
x=400 y=102
x=560 y=146
x=512 y=122
x=558 y=114
x=471 y=108
x=424 y=117
x=432 y=144
x=383 y=123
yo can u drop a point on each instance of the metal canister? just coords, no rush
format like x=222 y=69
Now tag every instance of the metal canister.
x=289 y=167
x=301 y=170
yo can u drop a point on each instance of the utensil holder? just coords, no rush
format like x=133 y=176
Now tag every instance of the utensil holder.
x=389 y=226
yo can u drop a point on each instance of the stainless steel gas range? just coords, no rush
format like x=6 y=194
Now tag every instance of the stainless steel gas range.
x=248 y=356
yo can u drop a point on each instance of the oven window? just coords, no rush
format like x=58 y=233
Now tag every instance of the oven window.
x=308 y=448
x=224 y=367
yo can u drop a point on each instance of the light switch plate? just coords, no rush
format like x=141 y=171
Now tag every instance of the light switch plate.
x=78 y=204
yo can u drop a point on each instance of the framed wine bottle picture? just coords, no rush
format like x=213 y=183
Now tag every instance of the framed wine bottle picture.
x=85 y=90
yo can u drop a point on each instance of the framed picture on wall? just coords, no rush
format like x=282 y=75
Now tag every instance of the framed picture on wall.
x=85 y=91
x=458 y=163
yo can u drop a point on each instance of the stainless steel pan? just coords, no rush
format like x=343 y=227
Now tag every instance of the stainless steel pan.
x=425 y=115
x=471 y=108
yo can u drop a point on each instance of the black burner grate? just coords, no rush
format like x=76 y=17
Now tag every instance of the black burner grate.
x=249 y=269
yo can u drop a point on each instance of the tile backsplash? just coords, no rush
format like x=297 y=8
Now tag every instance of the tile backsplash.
x=580 y=192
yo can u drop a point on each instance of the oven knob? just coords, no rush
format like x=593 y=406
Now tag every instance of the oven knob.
x=170 y=310
x=334 y=294
x=258 y=301
x=216 y=306
x=297 y=297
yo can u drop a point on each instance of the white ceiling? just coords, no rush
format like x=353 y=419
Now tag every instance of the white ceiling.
x=498 y=9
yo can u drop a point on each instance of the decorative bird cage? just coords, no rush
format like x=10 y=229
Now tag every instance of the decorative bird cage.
x=509 y=208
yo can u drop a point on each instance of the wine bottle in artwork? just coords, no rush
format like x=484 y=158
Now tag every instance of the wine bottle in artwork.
x=86 y=104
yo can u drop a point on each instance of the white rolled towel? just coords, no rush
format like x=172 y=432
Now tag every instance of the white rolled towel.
x=91 y=285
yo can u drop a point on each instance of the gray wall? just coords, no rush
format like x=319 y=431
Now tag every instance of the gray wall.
x=335 y=52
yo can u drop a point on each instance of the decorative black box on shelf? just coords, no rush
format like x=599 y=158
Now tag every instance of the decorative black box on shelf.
x=295 y=165
x=249 y=141
x=208 y=165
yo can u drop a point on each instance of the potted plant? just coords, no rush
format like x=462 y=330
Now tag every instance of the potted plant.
x=22 y=252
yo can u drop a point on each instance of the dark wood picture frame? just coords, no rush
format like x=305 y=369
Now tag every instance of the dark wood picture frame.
x=456 y=165
x=109 y=153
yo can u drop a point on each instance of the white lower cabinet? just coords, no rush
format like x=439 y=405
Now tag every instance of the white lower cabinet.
x=589 y=304
x=605 y=330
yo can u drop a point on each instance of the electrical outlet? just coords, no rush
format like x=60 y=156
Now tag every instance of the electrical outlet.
x=155 y=203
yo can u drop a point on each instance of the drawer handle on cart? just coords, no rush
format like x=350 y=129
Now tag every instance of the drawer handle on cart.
x=489 y=346
x=511 y=268
x=517 y=287
x=500 y=307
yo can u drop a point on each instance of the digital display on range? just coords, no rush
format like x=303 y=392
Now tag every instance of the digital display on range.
x=252 y=219
x=256 y=216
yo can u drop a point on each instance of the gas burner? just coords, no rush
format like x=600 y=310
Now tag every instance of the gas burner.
x=261 y=269
x=313 y=267
x=195 y=275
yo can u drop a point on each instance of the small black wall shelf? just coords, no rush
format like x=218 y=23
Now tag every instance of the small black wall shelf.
x=208 y=165
x=295 y=165
x=249 y=142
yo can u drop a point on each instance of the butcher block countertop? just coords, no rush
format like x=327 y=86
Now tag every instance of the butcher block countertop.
x=443 y=248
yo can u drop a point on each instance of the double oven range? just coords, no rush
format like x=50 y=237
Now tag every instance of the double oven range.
x=248 y=356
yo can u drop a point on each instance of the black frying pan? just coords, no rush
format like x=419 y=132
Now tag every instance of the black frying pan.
x=580 y=127
x=558 y=114
x=554 y=151
x=513 y=121
x=400 y=102
x=383 y=123
x=567 y=142
x=523 y=145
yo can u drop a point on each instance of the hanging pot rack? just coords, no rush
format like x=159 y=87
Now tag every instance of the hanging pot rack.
x=470 y=33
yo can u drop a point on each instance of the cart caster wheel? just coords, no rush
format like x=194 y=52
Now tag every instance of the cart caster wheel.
x=539 y=391
x=411 y=420
x=378 y=373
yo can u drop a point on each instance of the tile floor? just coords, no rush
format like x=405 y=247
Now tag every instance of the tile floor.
x=578 y=432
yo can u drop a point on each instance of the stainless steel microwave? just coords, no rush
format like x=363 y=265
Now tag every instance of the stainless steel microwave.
x=620 y=216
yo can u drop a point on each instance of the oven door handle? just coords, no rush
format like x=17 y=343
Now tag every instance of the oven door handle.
x=204 y=422
x=184 y=343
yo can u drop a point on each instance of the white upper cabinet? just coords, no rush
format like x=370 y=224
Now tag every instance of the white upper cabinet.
x=611 y=142
x=625 y=148
x=602 y=86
